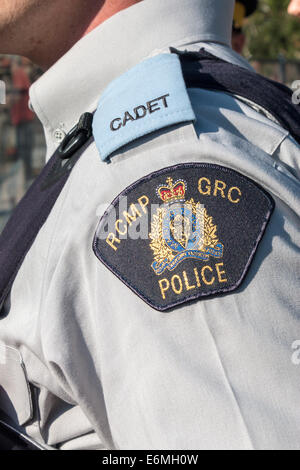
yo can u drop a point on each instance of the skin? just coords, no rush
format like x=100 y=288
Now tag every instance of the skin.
x=294 y=8
x=238 y=42
x=44 y=30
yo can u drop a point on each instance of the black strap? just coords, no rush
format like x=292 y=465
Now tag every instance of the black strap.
x=200 y=70
x=203 y=70
x=12 y=438
x=30 y=215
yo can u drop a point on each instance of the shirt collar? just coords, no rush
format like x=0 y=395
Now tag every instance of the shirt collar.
x=74 y=84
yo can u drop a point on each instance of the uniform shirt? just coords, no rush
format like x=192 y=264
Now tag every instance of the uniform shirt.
x=107 y=370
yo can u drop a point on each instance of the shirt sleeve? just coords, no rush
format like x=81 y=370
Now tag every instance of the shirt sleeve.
x=288 y=153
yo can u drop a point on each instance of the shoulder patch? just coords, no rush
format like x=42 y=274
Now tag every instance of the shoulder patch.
x=150 y=96
x=183 y=233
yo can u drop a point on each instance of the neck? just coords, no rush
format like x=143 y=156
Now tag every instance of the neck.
x=63 y=25
x=109 y=9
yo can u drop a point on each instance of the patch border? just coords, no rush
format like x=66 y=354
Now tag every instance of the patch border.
x=193 y=298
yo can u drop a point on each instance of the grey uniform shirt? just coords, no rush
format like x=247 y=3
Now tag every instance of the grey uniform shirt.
x=106 y=370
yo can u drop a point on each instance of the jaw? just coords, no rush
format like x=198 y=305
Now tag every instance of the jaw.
x=42 y=30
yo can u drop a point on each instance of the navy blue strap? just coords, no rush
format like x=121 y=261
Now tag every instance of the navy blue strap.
x=203 y=70
x=30 y=215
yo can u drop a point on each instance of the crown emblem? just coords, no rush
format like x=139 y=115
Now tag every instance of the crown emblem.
x=182 y=231
x=172 y=192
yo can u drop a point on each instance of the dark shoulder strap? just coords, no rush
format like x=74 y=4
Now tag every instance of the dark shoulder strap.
x=35 y=207
x=203 y=70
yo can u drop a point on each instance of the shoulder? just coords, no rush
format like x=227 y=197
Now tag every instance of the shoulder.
x=150 y=97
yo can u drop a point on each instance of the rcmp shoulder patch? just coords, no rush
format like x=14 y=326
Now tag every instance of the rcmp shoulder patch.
x=183 y=233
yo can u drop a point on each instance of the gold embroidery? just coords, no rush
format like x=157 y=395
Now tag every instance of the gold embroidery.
x=221 y=279
x=234 y=188
x=162 y=288
x=185 y=281
x=197 y=277
x=111 y=239
x=218 y=189
x=178 y=279
x=181 y=231
x=220 y=186
x=130 y=216
x=133 y=216
x=203 y=275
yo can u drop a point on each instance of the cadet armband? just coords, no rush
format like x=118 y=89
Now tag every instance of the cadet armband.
x=184 y=233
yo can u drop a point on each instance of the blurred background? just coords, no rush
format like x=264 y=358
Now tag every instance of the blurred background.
x=263 y=32
x=272 y=43
x=22 y=145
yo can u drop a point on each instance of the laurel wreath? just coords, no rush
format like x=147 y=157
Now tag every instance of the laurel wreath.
x=158 y=245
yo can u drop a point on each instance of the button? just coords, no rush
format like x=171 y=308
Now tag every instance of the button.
x=59 y=135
